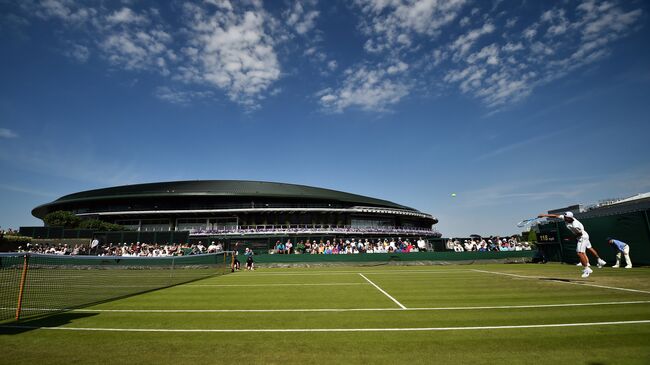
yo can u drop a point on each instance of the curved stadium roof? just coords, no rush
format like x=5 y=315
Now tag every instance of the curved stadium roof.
x=216 y=188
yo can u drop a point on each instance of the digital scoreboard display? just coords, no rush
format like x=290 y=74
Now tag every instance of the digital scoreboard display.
x=547 y=237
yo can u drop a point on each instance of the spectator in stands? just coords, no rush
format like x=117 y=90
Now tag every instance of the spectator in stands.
x=200 y=247
x=280 y=247
x=458 y=247
x=422 y=245
x=212 y=248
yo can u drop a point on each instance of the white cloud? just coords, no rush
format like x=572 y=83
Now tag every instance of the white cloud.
x=399 y=67
x=393 y=24
x=227 y=47
x=512 y=47
x=302 y=17
x=235 y=47
x=531 y=59
x=232 y=51
x=489 y=53
x=530 y=32
x=127 y=16
x=497 y=67
x=180 y=97
x=137 y=50
x=613 y=20
x=78 y=52
x=364 y=88
x=463 y=43
x=7 y=133
x=65 y=10
x=438 y=56
x=558 y=23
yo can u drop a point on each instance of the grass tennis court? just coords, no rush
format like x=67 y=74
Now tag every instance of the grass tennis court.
x=481 y=314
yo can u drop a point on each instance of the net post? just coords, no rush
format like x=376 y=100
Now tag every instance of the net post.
x=21 y=289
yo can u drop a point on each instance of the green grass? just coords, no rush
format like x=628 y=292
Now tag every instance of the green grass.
x=435 y=297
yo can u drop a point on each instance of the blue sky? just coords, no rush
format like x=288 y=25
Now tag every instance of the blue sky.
x=517 y=107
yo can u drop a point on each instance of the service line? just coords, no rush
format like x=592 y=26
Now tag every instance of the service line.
x=276 y=284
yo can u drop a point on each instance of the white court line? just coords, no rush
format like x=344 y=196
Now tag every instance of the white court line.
x=384 y=292
x=531 y=306
x=275 y=284
x=565 y=282
x=554 y=325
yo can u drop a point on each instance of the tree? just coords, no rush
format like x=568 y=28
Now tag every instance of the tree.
x=532 y=236
x=97 y=225
x=65 y=219
x=62 y=218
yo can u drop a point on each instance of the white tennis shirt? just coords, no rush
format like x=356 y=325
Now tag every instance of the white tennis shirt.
x=576 y=227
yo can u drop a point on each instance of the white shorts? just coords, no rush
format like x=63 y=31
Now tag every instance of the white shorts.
x=583 y=244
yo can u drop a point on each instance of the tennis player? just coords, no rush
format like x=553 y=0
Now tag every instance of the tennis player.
x=622 y=248
x=578 y=230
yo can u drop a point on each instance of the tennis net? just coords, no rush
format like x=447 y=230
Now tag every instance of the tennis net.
x=35 y=284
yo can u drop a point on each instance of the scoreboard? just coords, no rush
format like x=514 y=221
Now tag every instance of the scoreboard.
x=547 y=237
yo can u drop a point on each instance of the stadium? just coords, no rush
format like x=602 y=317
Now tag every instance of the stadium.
x=256 y=211
x=379 y=308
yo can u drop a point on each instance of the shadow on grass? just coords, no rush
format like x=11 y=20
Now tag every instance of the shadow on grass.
x=564 y=280
x=34 y=323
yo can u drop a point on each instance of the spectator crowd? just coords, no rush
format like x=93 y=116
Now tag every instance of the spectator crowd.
x=489 y=244
x=351 y=246
x=133 y=249
x=321 y=247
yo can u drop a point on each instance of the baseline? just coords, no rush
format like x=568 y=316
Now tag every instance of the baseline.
x=529 y=306
x=411 y=329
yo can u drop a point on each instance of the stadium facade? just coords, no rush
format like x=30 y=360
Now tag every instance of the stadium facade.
x=227 y=209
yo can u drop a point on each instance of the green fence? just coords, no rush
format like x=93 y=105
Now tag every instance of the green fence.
x=396 y=257
x=632 y=228
x=55 y=232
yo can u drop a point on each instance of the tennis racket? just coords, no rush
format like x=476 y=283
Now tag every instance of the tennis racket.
x=528 y=222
